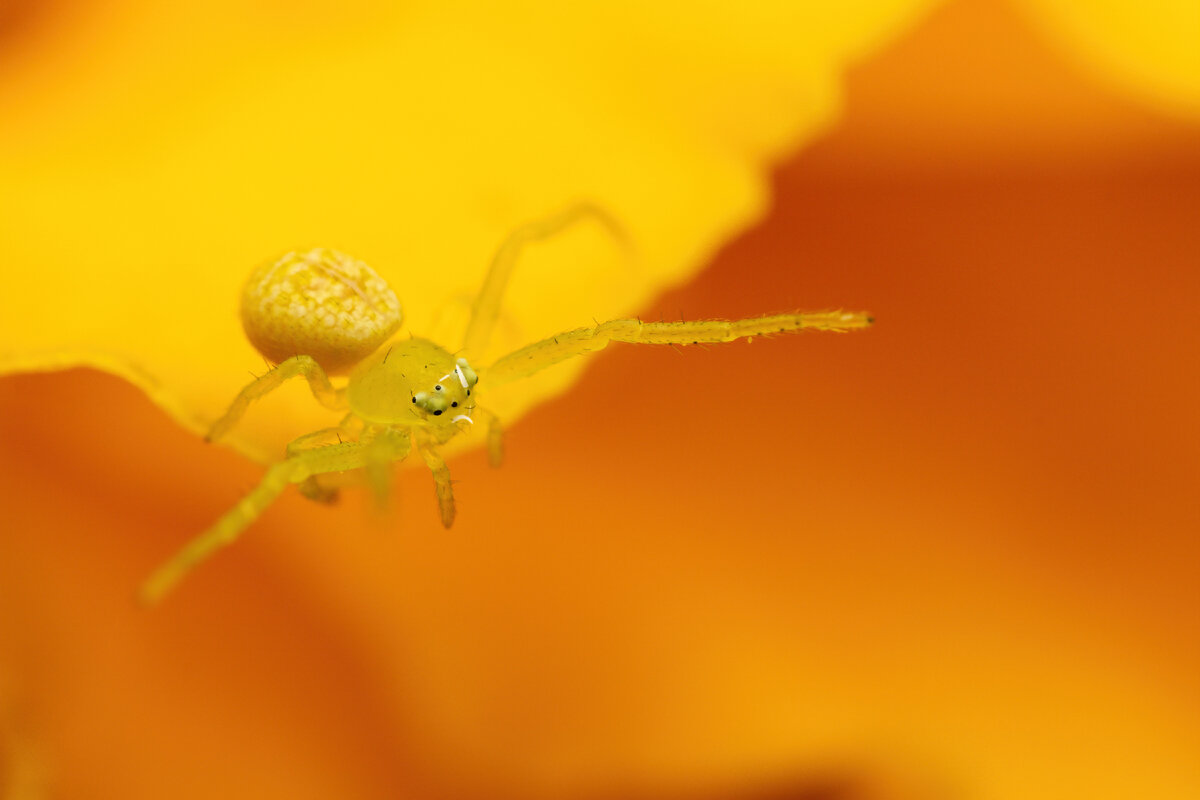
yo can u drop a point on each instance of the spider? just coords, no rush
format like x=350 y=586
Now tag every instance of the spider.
x=409 y=394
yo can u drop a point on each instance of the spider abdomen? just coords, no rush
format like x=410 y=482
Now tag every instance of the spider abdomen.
x=319 y=303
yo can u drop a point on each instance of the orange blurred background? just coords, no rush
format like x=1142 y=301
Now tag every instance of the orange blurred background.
x=955 y=556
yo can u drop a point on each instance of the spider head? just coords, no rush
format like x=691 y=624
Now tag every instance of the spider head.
x=451 y=394
x=434 y=402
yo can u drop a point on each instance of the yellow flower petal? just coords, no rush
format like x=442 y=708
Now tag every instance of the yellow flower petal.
x=1150 y=48
x=150 y=158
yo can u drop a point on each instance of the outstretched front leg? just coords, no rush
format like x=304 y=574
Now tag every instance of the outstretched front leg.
x=539 y=355
x=298 y=468
x=318 y=381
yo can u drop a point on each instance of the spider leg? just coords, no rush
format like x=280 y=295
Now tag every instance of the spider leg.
x=384 y=448
x=486 y=308
x=495 y=438
x=441 y=479
x=311 y=441
x=539 y=355
x=326 y=491
x=296 y=469
x=318 y=381
x=320 y=488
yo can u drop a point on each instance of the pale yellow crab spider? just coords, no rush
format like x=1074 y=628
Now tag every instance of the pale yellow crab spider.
x=408 y=394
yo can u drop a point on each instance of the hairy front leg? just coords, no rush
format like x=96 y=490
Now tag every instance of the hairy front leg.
x=304 y=366
x=226 y=530
x=539 y=355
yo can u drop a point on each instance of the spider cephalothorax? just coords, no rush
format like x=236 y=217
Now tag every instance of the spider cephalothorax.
x=334 y=314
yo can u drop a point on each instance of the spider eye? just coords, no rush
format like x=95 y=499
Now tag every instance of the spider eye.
x=454 y=404
x=467 y=375
x=414 y=399
x=437 y=413
x=437 y=388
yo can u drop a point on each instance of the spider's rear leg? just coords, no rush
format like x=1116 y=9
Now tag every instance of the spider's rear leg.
x=441 y=478
x=226 y=530
x=305 y=366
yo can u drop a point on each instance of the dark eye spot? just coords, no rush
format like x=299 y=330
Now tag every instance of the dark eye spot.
x=414 y=399
x=437 y=388
x=454 y=404
x=468 y=392
x=437 y=413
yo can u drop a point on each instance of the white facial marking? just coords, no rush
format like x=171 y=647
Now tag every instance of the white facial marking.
x=461 y=378
x=463 y=416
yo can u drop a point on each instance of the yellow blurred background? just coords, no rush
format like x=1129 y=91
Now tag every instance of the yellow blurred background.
x=951 y=557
